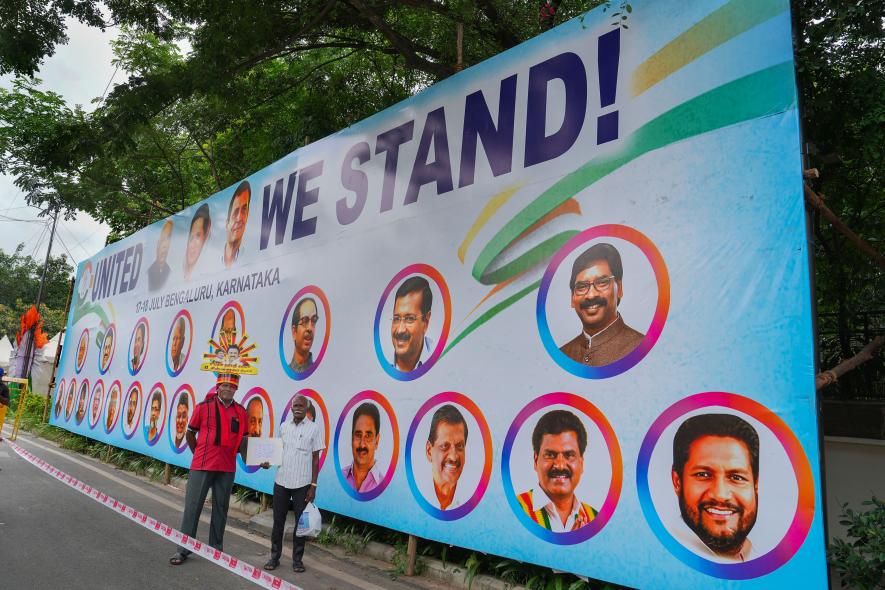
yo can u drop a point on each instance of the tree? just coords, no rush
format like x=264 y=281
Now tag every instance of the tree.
x=840 y=57
x=19 y=281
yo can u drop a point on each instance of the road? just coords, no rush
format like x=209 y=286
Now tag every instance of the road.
x=54 y=536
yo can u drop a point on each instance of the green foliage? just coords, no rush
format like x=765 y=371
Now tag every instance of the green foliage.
x=19 y=282
x=860 y=560
x=840 y=52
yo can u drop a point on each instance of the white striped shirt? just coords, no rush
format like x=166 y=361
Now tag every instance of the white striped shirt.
x=299 y=443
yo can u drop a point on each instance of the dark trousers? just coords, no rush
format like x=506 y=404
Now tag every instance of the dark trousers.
x=198 y=484
x=281 y=498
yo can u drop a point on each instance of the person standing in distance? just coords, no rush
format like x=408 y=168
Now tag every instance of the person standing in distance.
x=296 y=480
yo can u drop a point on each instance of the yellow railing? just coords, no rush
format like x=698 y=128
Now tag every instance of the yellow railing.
x=23 y=395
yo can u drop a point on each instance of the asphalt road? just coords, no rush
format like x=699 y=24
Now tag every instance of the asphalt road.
x=52 y=536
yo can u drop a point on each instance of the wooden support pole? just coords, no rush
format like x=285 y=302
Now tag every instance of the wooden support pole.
x=816 y=202
x=167 y=474
x=61 y=336
x=263 y=503
x=867 y=353
x=411 y=555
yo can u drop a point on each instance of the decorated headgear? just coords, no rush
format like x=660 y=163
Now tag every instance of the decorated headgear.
x=228 y=378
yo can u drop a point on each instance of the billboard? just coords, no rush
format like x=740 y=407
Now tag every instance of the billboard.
x=555 y=307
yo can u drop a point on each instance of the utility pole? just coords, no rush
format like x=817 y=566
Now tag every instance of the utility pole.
x=29 y=356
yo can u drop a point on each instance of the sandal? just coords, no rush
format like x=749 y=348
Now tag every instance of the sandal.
x=177 y=559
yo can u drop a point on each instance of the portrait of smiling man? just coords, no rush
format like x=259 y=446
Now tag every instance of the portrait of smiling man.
x=559 y=441
x=715 y=476
x=596 y=287
x=363 y=474
x=201 y=227
x=304 y=324
x=181 y=417
x=237 y=216
x=411 y=318
x=446 y=451
x=254 y=417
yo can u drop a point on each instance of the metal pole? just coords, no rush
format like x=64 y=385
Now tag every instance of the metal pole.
x=30 y=350
x=61 y=336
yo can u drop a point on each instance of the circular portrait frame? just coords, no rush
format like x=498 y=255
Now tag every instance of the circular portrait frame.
x=287 y=323
x=614 y=452
x=378 y=398
x=112 y=329
x=133 y=371
x=429 y=272
x=459 y=399
x=117 y=412
x=802 y=519
x=145 y=425
x=662 y=277
x=138 y=411
x=95 y=388
x=173 y=411
x=190 y=326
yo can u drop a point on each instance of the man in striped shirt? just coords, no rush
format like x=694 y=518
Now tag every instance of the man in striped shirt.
x=296 y=480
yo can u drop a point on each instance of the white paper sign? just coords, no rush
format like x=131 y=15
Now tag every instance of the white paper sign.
x=264 y=450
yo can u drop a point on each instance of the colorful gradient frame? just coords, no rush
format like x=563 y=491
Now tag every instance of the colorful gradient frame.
x=173 y=409
x=111 y=328
x=58 y=406
x=468 y=404
x=662 y=277
x=432 y=273
x=79 y=366
x=72 y=391
x=98 y=383
x=394 y=427
x=802 y=519
x=87 y=394
x=262 y=394
x=310 y=289
x=614 y=452
x=118 y=412
x=315 y=396
x=147 y=339
x=235 y=305
x=190 y=322
x=163 y=409
x=125 y=400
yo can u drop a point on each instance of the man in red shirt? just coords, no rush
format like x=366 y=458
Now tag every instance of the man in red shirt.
x=214 y=435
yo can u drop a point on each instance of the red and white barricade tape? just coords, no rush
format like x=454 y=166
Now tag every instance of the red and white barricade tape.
x=228 y=562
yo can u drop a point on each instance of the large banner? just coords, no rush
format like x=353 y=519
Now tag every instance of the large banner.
x=555 y=307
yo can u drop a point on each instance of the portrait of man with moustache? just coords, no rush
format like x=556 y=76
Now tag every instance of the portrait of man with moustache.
x=715 y=476
x=446 y=451
x=304 y=324
x=237 y=216
x=154 y=416
x=81 y=402
x=597 y=288
x=96 y=407
x=363 y=474
x=559 y=441
x=411 y=318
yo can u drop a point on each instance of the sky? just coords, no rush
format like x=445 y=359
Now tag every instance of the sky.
x=79 y=71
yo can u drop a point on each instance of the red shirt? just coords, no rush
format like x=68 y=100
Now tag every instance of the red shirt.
x=219 y=432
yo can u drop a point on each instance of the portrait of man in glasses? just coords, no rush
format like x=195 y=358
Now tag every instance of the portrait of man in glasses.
x=596 y=287
x=304 y=324
x=411 y=318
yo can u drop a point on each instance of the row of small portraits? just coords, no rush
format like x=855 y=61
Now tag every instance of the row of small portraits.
x=736 y=480
x=606 y=344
